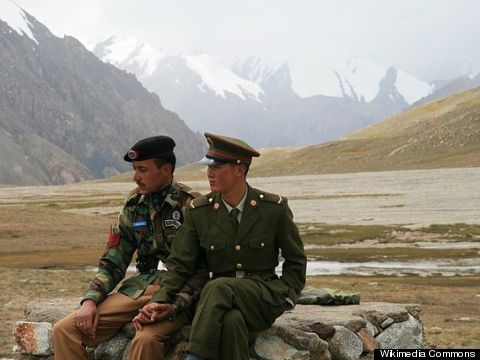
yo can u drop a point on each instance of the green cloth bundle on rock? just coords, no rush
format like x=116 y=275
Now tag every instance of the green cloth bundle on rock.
x=325 y=296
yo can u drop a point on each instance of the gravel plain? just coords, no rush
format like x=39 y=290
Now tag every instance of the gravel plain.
x=413 y=198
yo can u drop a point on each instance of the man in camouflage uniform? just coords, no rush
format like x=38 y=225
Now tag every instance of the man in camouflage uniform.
x=147 y=224
x=237 y=231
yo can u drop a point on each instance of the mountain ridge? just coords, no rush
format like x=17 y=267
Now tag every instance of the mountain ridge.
x=443 y=133
x=65 y=115
x=264 y=103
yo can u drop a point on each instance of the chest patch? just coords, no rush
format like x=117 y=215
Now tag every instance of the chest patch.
x=173 y=223
x=137 y=224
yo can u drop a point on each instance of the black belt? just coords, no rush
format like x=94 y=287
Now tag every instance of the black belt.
x=243 y=273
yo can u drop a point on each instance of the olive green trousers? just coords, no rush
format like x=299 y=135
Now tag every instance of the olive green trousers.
x=228 y=310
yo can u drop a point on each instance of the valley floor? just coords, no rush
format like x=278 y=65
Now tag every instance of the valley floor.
x=50 y=237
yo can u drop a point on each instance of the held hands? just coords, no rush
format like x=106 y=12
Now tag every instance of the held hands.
x=86 y=319
x=153 y=312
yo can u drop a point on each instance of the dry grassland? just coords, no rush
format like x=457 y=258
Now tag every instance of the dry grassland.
x=49 y=235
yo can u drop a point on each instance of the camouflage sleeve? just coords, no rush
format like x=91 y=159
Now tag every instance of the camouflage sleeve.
x=114 y=262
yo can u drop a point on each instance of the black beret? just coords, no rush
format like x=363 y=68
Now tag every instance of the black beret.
x=150 y=148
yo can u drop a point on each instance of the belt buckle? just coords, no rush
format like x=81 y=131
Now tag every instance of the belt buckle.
x=240 y=274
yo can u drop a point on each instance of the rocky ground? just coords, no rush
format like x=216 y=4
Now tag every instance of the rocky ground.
x=50 y=235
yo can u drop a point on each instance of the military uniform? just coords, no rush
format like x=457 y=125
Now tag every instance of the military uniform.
x=147 y=225
x=244 y=293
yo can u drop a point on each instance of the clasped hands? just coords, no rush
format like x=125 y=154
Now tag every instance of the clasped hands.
x=153 y=312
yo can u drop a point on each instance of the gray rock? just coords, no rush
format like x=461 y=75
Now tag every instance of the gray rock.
x=377 y=313
x=50 y=310
x=33 y=338
x=372 y=329
x=348 y=330
x=274 y=348
x=129 y=329
x=345 y=345
x=298 y=339
x=314 y=317
x=113 y=348
x=414 y=310
x=403 y=335
x=387 y=322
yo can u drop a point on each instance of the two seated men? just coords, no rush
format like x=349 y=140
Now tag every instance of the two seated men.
x=226 y=250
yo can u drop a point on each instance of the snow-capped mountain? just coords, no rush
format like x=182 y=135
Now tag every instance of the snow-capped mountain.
x=144 y=61
x=308 y=98
x=334 y=74
x=16 y=19
x=65 y=115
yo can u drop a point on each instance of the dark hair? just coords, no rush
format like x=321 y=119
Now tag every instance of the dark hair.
x=166 y=158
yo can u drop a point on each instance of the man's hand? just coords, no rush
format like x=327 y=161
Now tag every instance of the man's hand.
x=86 y=319
x=152 y=312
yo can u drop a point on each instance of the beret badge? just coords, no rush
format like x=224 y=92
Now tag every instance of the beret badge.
x=132 y=154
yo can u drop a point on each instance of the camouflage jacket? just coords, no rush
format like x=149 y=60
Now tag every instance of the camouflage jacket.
x=141 y=228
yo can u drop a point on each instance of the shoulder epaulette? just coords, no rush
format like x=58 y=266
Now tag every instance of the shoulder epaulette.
x=133 y=197
x=187 y=189
x=201 y=201
x=274 y=198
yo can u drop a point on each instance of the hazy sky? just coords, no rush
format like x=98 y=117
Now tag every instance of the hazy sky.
x=428 y=38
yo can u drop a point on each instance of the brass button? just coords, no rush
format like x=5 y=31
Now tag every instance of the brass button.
x=239 y=266
x=261 y=196
x=210 y=199
x=212 y=247
x=262 y=244
x=238 y=247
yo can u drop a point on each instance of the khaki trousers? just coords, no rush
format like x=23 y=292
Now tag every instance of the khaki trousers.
x=114 y=312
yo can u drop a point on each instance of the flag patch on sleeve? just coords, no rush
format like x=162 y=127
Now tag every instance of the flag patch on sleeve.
x=113 y=238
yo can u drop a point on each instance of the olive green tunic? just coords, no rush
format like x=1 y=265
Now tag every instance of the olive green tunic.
x=208 y=237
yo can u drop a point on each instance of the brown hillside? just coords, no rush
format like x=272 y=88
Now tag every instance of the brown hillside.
x=443 y=133
x=440 y=134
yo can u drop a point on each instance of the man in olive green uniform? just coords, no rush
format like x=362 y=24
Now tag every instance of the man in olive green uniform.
x=237 y=231
x=151 y=216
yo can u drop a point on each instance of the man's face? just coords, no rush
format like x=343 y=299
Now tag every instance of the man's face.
x=225 y=177
x=149 y=177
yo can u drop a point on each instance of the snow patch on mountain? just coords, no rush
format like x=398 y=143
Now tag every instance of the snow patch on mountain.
x=220 y=80
x=16 y=18
x=333 y=73
x=411 y=88
x=128 y=52
x=343 y=75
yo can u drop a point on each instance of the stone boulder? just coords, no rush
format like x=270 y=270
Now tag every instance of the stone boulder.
x=308 y=332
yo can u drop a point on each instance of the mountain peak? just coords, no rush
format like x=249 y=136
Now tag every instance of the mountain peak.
x=16 y=18
x=220 y=79
x=131 y=54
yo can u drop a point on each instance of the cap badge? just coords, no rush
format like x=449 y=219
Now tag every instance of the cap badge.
x=132 y=154
x=176 y=215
